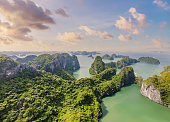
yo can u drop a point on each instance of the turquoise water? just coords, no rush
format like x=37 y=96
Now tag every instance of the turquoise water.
x=128 y=105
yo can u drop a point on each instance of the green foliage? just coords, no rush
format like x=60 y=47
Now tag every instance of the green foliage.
x=51 y=63
x=108 y=57
x=118 y=56
x=97 y=66
x=110 y=65
x=125 y=62
x=6 y=63
x=26 y=59
x=42 y=96
x=61 y=64
x=149 y=60
x=162 y=82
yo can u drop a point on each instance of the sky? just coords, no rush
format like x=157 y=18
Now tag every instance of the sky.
x=85 y=25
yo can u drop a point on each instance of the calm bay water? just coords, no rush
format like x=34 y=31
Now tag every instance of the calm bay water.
x=128 y=105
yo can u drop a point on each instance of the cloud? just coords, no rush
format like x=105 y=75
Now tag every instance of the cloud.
x=105 y=35
x=70 y=37
x=22 y=16
x=61 y=12
x=124 y=38
x=6 y=41
x=25 y=13
x=15 y=32
x=127 y=25
x=48 y=12
x=162 y=4
x=157 y=42
x=141 y=18
x=163 y=25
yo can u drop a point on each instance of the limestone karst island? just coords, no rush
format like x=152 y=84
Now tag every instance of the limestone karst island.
x=84 y=61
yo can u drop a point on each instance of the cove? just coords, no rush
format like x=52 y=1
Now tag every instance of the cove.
x=128 y=105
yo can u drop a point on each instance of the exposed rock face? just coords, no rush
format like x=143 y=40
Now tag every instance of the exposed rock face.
x=97 y=66
x=9 y=67
x=151 y=92
x=26 y=59
x=157 y=88
x=127 y=76
x=55 y=62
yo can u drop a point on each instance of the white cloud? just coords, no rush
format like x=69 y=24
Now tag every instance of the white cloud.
x=70 y=37
x=162 y=4
x=15 y=32
x=105 y=35
x=141 y=18
x=163 y=25
x=124 y=38
x=127 y=25
x=22 y=16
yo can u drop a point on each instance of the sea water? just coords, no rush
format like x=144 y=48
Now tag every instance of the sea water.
x=128 y=105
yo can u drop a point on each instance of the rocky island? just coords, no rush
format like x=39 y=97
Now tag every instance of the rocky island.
x=84 y=53
x=111 y=57
x=108 y=57
x=42 y=96
x=149 y=60
x=26 y=59
x=99 y=66
x=9 y=67
x=157 y=88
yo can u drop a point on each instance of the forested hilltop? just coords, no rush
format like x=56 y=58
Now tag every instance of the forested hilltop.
x=32 y=95
x=26 y=59
x=61 y=64
x=111 y=57
x=157 y=88
x=149 y=60
x=98 y=65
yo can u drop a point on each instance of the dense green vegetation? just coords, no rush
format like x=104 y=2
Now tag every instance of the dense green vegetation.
x=42 y=96
x=162 y=82
x=26 y=59
x=118 y=56
x=51 y=63
x=126 y=61
x=149 y=60
x=110 y=65
x=108 y=57
x=111 y=57
x=6 y=63
x=60 y=64
x=99 y=66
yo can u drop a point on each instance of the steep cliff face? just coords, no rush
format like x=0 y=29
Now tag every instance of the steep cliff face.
x=151 y=92
x=157 y=88
x=127 y=76
x=26 y=59
x=55 y=62
x=97 y=66
x=9 y=67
